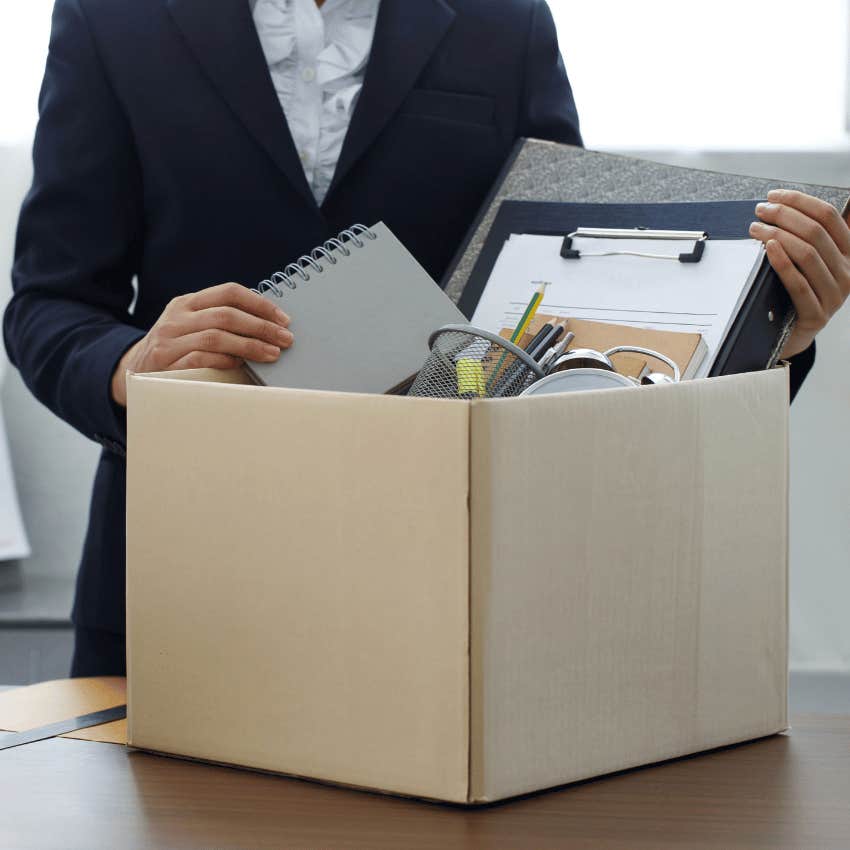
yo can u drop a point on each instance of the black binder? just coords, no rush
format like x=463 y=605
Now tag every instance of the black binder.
x=756 y=335
x=552 y=189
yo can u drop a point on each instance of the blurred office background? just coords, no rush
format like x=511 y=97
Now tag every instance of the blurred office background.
x=752 y=88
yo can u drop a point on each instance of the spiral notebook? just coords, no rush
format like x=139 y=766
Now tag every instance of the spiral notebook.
x=362 y=310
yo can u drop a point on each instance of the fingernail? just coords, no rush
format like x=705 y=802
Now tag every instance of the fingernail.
x=775 y=194
x=271 y=352
x=765 y=207
x=284 y=336
x=281 y=317
x=756 y=227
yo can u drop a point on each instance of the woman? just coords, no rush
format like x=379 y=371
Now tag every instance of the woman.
x=184 y=146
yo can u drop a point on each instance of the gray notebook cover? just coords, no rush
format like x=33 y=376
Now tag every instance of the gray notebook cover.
x=361 y=325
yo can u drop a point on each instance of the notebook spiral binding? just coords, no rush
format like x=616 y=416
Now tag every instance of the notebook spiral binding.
x=340 y=243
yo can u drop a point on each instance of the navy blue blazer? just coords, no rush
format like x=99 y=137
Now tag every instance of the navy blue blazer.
x=162 y=153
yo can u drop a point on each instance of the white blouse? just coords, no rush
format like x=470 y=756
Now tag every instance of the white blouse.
x=317 y=58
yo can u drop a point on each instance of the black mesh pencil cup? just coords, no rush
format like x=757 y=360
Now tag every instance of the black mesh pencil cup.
x=467 y=363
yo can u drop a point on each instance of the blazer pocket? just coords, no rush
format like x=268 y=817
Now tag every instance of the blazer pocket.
x=450 y=106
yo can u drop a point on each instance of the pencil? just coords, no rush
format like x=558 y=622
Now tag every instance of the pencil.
x=530 y=311
x=522 y=326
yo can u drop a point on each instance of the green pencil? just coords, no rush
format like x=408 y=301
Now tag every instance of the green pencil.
x=522 y=326
x=528 y=315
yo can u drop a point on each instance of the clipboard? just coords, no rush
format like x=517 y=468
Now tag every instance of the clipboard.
x=549 y=188
x=757 y=334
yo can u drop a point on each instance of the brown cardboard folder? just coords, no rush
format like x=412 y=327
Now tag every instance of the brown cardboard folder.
x=684 y=349
x=37 y=705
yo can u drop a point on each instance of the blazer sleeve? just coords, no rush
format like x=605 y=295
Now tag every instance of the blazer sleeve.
x=800 y=366
x=548 y=110
x=68 y=322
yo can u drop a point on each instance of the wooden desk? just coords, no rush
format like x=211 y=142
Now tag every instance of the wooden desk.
x=781 y=792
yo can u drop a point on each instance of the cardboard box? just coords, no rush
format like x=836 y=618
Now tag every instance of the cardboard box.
x=462 y=601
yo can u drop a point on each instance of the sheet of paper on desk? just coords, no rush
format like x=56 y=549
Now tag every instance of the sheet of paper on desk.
x=13 y=538
x=664 y=294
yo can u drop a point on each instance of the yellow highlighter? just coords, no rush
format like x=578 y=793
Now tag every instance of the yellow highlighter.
x=470 y=378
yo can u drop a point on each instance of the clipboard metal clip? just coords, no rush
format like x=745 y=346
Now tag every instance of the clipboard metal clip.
x=698 y=237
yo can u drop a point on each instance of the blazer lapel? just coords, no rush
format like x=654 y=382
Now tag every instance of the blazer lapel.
x=406 y=34
x=224 y=40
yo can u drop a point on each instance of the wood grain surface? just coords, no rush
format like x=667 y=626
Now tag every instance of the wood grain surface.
x=788 y=791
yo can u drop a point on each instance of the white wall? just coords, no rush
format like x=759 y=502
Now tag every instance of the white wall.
x=761 y=105
x=720 y=75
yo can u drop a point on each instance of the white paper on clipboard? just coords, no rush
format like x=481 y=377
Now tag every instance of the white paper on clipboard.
x=662 y=294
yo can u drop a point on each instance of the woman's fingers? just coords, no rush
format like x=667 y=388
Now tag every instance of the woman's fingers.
x=810 y=313
x=807 y=259
x=238 y=322
x=235 y=295
x=807 y=228
x=808 y=244
x=825 y=214
x=214 y=342
x=218 y=328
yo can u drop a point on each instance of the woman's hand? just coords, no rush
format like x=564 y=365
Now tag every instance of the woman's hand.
x=808 y=244
x=218 y=327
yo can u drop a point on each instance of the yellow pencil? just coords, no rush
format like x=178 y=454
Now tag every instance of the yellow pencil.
x=530 y=311
x=522 y=325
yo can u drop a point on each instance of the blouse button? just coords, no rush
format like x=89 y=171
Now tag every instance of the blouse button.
x=308 y=75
